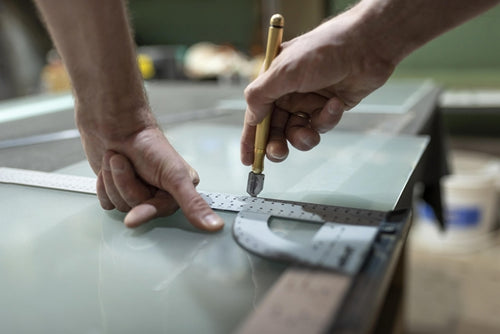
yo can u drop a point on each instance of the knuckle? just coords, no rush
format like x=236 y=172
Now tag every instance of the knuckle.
x=106 y=204
x=197 y=202
x=195 y=177
x=251 y=94
x=196 y=207
x=174 y=177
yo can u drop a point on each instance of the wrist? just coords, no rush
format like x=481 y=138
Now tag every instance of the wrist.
x=381 y=31
x=113 y=117
x=359 y=48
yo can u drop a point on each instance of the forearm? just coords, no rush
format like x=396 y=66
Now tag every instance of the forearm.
x=94 y=40
x=394 y=28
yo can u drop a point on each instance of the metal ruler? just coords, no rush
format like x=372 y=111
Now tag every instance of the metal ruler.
x=81 y=184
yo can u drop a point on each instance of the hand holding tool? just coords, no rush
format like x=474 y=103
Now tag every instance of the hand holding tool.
x=255 y=177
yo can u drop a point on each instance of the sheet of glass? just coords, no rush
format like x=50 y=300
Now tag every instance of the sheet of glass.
x=68 y=266
x=346 y=169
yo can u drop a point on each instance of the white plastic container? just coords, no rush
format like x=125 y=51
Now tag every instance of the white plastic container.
x=471 y=197
x=470 y=203
x=476 y=180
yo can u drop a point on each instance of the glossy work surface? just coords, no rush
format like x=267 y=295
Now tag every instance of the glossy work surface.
x=70 y=267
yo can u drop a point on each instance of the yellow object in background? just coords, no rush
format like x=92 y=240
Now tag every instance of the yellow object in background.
x=146 y=66
x=54 y=77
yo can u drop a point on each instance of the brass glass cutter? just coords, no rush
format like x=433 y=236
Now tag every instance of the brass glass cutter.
x=255 y=177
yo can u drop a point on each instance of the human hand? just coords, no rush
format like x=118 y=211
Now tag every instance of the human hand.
x=319 y=74
x=142 y=174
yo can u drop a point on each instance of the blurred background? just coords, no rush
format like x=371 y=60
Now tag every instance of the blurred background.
x=467 y=57
x=453 y=288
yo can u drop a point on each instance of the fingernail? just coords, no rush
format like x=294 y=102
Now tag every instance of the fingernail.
x=322 y=129
x=336 y=107
x=213 y=222
x=307 y=141
x=331 y=110
x=277 y=156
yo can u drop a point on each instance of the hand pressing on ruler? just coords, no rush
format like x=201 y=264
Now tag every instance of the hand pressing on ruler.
x=137 y=168
x=154 y=181
x=139 y=172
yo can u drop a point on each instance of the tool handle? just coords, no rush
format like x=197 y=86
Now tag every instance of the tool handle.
x=274 y=38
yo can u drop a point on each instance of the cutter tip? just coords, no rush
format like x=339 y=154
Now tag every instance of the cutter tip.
x=255 y=184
